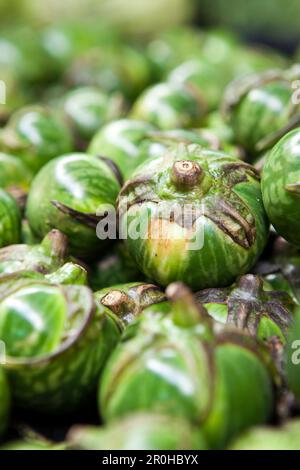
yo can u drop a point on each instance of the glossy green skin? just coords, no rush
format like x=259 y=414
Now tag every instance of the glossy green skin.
x=32 y=444
x=121 y=140
x=43 y=258
x=260 y=113
x=139 y=431
x=10 y=220
x=169 y=106
x=117 y=267
x=57 y=372
x=164 y=368
x=136 y=297
x=169 y=258
x=205 y=77
x=87 y=109
x=281 y=187
x=292 y=357
x=115 y=67
x=83 y=186
x=5 y=401
x=248 y=306
x=35 y=135
x=286 y=437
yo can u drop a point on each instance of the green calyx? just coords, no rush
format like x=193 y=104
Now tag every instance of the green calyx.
x=280 y=187
x=35 y=135
x=51 y=333
x=140 y=431
x=73 y=193
x=43 y=258
x=127 y=301
x=247 y=306
x=260 y=108
x=170 y=361
x=193 y=215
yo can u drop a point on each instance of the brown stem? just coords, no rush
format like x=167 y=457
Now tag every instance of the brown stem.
x=186 y=173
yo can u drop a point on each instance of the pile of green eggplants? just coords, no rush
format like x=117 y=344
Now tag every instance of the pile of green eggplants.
x=149 y=240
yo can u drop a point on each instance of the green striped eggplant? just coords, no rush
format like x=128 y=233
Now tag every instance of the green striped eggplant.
x=120 y=141
x=127 y=301
x=56 y=341
x=261 y=108
x=35 y=135
x=248 y=306
x=114 y=67
x=140 y=431
x=43 y=258
x=281 y=187
x=5 y=394
x=207 y=79
x=87 y=109
x=72 y=193
x=129 y=142
x=16 y=96
x=292 y=359
x=10 y=220
x=116 y=267
x=170 y=105
x=15 y=177
x=193 y=215
x=285 y=437
x=173 y=363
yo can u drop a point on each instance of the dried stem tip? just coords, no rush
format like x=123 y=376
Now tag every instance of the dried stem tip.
x=114 y=300
x=186 y=173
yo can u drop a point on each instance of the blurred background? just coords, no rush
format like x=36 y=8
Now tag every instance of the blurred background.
x=274 y=22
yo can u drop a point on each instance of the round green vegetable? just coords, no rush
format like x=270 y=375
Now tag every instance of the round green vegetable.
x=121 y=141
x=10 y=220
x=286 y=437
x=127 y=301
x=35 y=135
x=170 y=105
x=72 y=193
x=87 y=109
x=249 y=307
x=129 y=142
x=56 y=342
x=281 y=187
x=261 y=108
x=140 y=431
x=205 y=77
x=193 y=215
x=173 y=363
